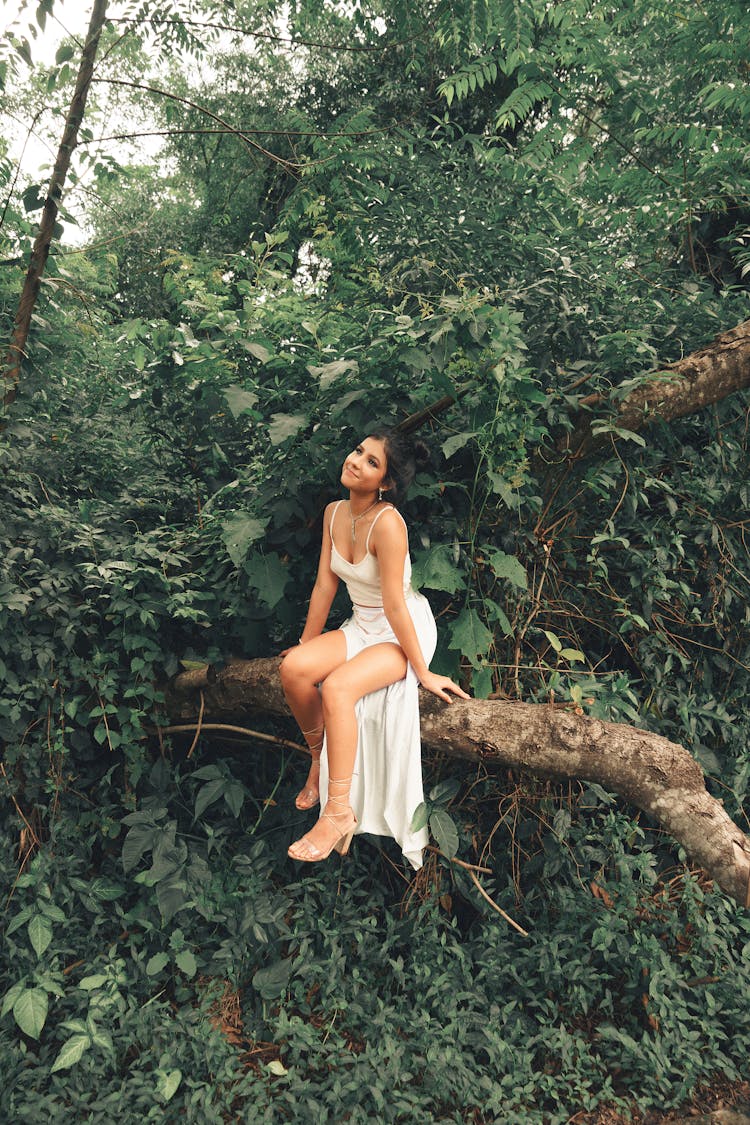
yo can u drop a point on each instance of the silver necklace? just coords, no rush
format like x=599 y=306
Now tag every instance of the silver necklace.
x=355 y=519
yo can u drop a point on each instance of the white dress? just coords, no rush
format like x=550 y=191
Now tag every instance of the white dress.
x=387 y=782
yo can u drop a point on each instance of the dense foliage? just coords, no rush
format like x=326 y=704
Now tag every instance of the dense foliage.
x=518 y=206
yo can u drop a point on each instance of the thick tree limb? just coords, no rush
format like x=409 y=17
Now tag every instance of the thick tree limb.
x=655 y=775
x=685 y=387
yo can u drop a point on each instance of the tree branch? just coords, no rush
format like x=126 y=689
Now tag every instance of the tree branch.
x=655 y=775
x=674 y=391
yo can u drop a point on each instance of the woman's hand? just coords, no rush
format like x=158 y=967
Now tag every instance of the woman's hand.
x=441 y=685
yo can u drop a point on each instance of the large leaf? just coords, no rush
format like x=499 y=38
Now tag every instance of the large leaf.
x=508 y=566
x=238 y=532
x=458 y=441
x=30 y=1011
x=185 y=961
x=435 y=569
x=328 y=373
x=167 y=1082
x=285 y=426
x=239 y=400
x=208 y=794
x=71 y=1052
x=40 y=933
x=271 y=982
x=470 y=635
x=267 y=575
x=444 y=831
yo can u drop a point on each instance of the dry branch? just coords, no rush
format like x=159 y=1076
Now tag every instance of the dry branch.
x=655 y=775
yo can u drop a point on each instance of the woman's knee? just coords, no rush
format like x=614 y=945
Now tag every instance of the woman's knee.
x=336 y=691
x=292 y=667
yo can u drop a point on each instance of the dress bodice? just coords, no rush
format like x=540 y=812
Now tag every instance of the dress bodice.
x=363 y=578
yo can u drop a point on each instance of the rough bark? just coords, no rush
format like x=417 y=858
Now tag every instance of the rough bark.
x=685 y=387
x=655 y=775
x=40 y=252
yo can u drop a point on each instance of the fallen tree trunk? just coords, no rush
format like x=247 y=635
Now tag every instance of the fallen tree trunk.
x=655 y=775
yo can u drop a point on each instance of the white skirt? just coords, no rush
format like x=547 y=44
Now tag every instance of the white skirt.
x=387 y=782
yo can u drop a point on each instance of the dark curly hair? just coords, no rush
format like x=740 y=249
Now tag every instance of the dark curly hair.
x=404 y=456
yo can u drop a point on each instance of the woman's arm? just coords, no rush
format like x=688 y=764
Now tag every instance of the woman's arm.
x=390 y=544
x=326 y=585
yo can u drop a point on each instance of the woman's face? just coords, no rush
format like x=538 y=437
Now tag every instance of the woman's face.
x=365 y=468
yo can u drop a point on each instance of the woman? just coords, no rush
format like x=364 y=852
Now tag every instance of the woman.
x=386 y=644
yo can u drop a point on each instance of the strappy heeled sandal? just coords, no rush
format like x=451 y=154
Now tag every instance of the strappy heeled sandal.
x=309 y=794
x=306 y=850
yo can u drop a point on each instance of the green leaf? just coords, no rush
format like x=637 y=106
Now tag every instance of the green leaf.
x=238 y=532
x=167 y=1082
x=96 y=980
x=271 y=982
x=18 y=921
x=445 y=790
x=421 y=815
x=106 y=890
x=234 y=797
x=208 y=773
x=32 y=198
x=71 y=1052
x=30 y=1011
x=277 y=1067
x=285 y=426
x=458 y=441
x=40 y=933
x=208 y=794
x=138 y=841
x=481 y=682
x=268 y=575
x=573 y=655
x=156 y=963
x=238 y=399
x=329 y=372
x=436 y=570
x=508 y=566
x=470 y=635
x=444 y=830
x=554 y=640
x=11 y=996
x=185 y=961
x=496 y=613
x=64 y=53
x=257 y=350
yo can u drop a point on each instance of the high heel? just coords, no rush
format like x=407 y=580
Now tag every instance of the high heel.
x=309 y=794
x=306 y=850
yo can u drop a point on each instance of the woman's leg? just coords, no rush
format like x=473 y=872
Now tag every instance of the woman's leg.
x=371 y=669
x=301 y=671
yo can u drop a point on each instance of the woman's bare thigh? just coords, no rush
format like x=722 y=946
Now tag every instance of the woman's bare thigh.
x=375 y=667
x=316 y=659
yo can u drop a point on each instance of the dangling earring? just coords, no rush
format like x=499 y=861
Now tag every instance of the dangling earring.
x=380 y=494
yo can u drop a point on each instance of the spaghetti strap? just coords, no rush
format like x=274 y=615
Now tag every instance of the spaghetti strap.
x=377 y=517
x=333 y=517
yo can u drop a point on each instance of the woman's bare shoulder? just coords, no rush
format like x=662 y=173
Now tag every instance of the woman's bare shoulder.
x=390 y=525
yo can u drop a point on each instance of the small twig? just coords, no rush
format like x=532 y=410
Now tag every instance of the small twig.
x=198 y=726
x=184 y=728
x=461 y=862
x=494 y=905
